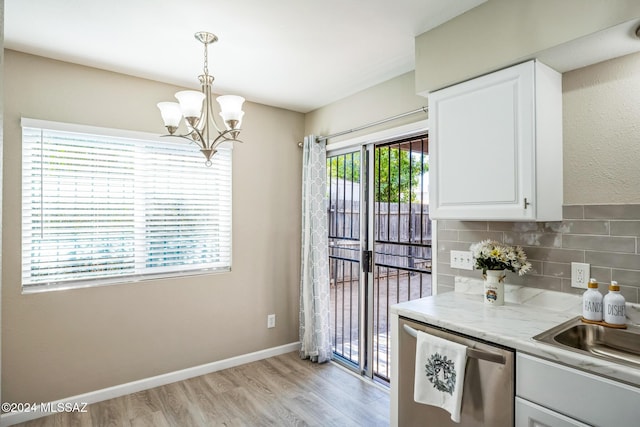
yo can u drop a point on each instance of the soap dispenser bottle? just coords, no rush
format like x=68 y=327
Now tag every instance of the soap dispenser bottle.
x=614 y=312
x=592 y=302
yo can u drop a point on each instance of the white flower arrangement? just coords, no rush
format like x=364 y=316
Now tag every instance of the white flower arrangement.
x=492 y=255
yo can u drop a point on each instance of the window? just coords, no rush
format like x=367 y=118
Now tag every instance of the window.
x=103 y=206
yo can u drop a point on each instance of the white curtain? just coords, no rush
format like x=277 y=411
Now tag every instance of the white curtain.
x=314 y=282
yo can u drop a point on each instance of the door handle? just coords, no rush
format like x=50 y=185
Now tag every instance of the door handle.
x=367 y=261
x=471 y=352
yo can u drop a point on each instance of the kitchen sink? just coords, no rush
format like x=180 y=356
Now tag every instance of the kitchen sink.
x=615 y=345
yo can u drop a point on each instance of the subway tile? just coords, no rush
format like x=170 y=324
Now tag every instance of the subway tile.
x=599 y=243
x=476 y=236
x=573 y=211
x=515 y=279
x=556 y=269
x=466 y=225
x=516 y=226
x=444 y=279
x=444 y=289
x=547 y=240
x=630 y=294
x=554 y=255
x=476 y=274
x=537 y=267
x=612 y=211
x=566 y=287
x=625 y=228
x=450 y=235
x=445 y=268
x=605 y=236
x=556 y=227
x=614 y=260
x=543 y=282
x=602 y=275
x=626 y=277
x=594 y=227
x=447 y=246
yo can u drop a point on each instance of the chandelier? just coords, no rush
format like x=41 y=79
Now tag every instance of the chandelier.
x=197 y=109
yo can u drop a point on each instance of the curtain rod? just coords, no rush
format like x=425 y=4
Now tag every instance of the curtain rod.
x=424 y=109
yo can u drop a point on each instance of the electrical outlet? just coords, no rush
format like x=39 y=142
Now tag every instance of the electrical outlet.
x=271 y=321
x=580 y=273
x=462 y=260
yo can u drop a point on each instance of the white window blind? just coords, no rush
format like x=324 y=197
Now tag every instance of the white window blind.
x=100 y=207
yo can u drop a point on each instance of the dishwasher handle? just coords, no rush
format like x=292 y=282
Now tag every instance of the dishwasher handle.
x=471 y=352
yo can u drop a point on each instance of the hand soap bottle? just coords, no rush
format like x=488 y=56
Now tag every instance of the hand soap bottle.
x=592 y=302
x=614 y=312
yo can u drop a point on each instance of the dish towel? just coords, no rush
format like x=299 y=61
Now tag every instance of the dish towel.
x=440 y=366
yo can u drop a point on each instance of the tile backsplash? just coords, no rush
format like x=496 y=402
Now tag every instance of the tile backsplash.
x=605 y=236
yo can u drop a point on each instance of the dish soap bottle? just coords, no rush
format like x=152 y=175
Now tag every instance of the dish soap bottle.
x=592 y=302
x=614 y=313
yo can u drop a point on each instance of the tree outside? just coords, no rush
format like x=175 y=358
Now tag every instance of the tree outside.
x=397 y=172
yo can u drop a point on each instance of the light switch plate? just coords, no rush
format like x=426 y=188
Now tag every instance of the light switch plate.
x=462 y=260
x=580 y=273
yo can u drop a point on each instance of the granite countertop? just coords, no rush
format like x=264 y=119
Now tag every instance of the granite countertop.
x=526 y=313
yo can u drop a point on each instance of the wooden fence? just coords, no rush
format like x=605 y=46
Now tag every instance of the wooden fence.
x=402 y=233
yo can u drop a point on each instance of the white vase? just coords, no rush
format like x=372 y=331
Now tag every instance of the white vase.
x=494 y=287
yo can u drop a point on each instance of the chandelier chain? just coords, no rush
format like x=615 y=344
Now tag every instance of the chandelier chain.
x=206 y=60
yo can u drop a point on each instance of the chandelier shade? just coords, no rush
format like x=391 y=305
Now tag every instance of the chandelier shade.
x=190 y=103
x=231 y=109
x=171 y=113
x=197 y=110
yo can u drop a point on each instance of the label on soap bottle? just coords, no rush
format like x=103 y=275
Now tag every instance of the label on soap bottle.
x=592 y=309
x=615 y=312
x=592 y=302
x=614 y=306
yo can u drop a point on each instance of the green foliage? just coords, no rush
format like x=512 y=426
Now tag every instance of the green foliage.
x=395 y=173
x=345 y=167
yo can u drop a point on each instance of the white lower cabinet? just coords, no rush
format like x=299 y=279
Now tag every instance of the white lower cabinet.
x=549 y=394
x=529 y=414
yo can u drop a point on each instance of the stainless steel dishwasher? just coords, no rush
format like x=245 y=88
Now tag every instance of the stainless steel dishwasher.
x=489 y=393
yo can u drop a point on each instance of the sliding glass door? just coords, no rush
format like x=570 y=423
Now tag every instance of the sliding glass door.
x=346 y=242
x=379 y=245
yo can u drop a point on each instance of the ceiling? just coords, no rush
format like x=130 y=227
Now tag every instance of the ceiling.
x=294 y=54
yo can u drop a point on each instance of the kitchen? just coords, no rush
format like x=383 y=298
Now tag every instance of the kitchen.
x=546 y=393
x=599 y=202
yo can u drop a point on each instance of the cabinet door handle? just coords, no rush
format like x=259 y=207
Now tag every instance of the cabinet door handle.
x=526 y=203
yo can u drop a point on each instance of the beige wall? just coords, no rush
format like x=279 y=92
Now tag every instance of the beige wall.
x=59 y=344
x=393 y=97
x=602 y=132
x=499 y=33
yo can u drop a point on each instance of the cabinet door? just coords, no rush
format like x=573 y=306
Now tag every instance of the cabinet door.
x=579 y=395
x=531 y=415
x=481 y=142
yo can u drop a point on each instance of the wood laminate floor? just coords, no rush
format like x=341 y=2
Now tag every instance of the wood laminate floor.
x=279 y=391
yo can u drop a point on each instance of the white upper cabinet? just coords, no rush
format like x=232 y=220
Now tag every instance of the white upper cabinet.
x=495 y=147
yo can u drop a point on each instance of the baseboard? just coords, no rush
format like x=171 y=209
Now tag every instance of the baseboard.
x=147 y=383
